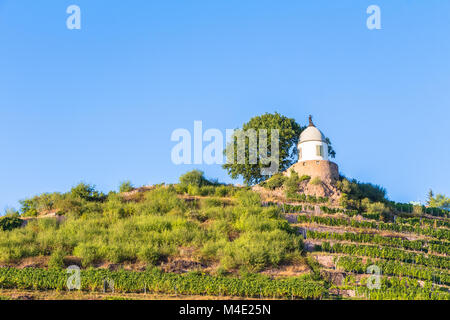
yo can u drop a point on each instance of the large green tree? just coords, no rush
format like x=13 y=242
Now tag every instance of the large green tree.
x=289 y=133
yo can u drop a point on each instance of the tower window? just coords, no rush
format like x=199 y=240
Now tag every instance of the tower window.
x=319 y=151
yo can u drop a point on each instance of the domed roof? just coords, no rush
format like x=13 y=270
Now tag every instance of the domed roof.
x=311 y=133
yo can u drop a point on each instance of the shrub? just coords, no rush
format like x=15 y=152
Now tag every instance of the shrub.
x=119 y=252
x=357 y=191
x=160 y=201
x=115 y=208
x=126 y=186
x=86 y=192
x=149 y=255
x=194 y=178
x=193 y=190
x=260 y=224
x=377 y=207
x=223 y=191
x=10 y=222
x=276 y=181
x=88 y=253
x=304 y=178
x=207 y=190
x=212 y=202
x=181 y=188
x=28 y=208
x=315 y=181
x=292 y=182
x=256 y=250
x=247 y=198
x=56 y=260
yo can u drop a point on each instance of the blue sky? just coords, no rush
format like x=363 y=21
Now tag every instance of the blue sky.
x=99 y=104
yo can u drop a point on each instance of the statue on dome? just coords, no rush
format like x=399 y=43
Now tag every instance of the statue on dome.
x=311 y=124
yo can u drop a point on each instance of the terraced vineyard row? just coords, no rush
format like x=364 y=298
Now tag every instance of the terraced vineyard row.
x=409 y=208
x=332 y=221
x=386 y=253
x=410 y=269
x=417 y=245
x=395 y=268
x=420 y=221
x=402 y=289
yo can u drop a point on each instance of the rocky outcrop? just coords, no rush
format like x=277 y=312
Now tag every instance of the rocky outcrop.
x=322 y=189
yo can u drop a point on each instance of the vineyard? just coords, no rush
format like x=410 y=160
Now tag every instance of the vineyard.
x=410 y=253
x=154 y=281
x=214 y=240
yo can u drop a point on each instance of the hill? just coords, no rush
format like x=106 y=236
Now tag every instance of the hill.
x=203 y=238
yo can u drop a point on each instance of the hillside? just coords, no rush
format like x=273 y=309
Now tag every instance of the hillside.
x=199 y=238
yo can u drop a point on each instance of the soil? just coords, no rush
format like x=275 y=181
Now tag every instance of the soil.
x=182 y=266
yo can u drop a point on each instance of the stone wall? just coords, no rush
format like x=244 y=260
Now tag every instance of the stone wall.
x=327 y=171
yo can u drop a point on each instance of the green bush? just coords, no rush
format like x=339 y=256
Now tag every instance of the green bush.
x=274 y=182
x=212 y=202
x=89 y=254
x=10 y=223
x=119 y=252
x=207 y=191
x=257 y=250
x=86 y=192
x=194 y=178
x=193 y=190
x=28 y=208
x=304 y=178
x=247 y=198
x=71 y=206
x=161 y=201
x=126 y=186
x=116 y=208
x=181 y=188
x=56 y=260
x=316 y=181
x=224 y=191
x=149 y=255
x=292 y=184
x=357 y=191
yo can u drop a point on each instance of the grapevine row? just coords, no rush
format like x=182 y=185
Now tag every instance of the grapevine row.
x=332 y=221
x=402 y=289
x=158 y=282
x=386 y=253
x=389 y=267
x=417 y=245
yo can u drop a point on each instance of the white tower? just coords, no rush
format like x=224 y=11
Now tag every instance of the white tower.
x=312 y=144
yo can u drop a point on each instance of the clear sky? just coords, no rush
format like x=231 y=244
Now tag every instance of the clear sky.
x=99 y=104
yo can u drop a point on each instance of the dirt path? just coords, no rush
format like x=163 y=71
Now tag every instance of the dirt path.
x=13 y=294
